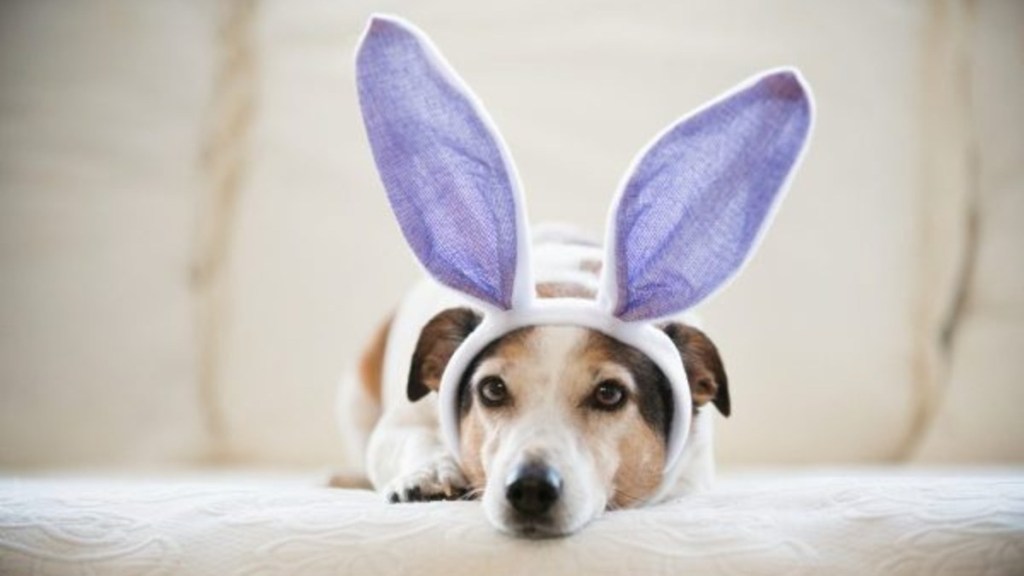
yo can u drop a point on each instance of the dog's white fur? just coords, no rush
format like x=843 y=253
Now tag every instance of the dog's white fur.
x=404 y=452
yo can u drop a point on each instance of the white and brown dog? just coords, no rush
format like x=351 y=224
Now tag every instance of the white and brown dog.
x=558 y=423
x=568 y=378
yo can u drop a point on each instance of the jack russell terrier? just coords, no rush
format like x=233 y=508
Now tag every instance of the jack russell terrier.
x=547 y=375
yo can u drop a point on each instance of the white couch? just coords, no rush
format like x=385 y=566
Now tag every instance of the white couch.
x=193 y=245
x=873 y=522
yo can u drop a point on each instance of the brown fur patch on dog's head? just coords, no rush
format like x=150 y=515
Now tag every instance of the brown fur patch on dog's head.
x=437 y=342
x=641 y=453
x=704 y=369
x=477 y=441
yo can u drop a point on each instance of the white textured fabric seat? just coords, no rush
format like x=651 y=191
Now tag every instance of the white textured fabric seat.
x=837 y=522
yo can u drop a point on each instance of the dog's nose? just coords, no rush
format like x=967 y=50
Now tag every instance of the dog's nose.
x=533 y=489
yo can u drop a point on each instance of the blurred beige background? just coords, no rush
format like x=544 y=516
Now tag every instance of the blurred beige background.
x=194 y=243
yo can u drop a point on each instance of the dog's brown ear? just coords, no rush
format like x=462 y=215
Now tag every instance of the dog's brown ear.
x=438 y=341
x=703 y=366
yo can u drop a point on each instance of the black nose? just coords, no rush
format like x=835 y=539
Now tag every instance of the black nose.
x=533 y=489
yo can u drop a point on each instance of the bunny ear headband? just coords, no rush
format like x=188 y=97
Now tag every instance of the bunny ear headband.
x=687 y=217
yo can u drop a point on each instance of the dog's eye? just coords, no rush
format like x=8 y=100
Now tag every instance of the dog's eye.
x=609 y=395
x=493 y=392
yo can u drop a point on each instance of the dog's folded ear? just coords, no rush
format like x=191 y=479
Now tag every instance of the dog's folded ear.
x=703 y=366
x=438 y=341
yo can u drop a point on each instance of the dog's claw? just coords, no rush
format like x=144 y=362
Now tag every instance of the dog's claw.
x=442 y=479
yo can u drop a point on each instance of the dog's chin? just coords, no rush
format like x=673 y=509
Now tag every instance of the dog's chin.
x=537 y=529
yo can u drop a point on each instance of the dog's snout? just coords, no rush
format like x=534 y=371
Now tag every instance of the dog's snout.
x=533 y=489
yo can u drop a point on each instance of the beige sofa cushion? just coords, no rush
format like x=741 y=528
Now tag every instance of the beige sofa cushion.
x=110 y=352
x=821 y=314
x=99 y=118
x=979 y=415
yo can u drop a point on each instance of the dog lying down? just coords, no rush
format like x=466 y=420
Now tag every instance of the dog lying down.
x=544 y=374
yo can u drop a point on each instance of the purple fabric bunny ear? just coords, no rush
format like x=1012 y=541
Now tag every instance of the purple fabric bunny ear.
x=697 y=201
x=451 y=184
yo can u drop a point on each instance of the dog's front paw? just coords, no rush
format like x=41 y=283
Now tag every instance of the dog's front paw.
x=442 y=479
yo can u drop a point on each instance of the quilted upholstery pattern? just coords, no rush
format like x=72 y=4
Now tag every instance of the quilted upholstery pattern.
x=825 y=523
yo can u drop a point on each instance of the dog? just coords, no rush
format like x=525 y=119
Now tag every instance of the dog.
x=545 y=374
x=558 y=423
